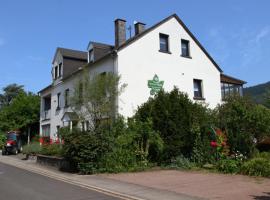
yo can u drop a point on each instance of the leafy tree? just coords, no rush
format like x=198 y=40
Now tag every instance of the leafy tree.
x=94 y=98
x=21 y=114
x=10 y=92
x=177 y=119
x=244 y=122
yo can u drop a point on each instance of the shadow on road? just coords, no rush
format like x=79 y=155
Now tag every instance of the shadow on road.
x=262 y=197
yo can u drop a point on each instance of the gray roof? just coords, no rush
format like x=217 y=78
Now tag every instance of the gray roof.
x=71 y=53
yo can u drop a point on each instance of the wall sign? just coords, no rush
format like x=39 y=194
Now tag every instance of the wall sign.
x=155 y=85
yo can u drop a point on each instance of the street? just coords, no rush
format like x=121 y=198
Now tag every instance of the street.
x=18 y=184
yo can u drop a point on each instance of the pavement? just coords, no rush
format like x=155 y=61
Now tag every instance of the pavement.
x=158 y=184
x=96 y=184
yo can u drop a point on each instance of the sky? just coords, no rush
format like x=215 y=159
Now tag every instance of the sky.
x=236 y=33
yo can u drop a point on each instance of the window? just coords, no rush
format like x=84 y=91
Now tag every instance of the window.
x=58 y=101
x=164 y=43
x=91 y=55
x=185 y=48
x=82 y=124
x=55 y=72
x=197 y=88
x=228 y=89
x=60 y=70
x=66 y=97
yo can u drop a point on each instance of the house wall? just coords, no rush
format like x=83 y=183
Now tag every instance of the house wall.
x=141 y=60
x=56 y=115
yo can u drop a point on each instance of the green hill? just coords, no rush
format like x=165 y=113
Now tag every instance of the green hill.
x=259 y=93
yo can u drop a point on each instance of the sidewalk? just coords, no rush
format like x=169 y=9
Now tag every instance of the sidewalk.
x=100 y=183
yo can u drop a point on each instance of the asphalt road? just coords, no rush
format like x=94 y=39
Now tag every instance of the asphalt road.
x=18 y=184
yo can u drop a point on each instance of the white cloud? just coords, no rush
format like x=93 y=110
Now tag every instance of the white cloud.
x=264 y=32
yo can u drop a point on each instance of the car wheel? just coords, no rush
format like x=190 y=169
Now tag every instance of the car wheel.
x=3 y=152
x=16 y=151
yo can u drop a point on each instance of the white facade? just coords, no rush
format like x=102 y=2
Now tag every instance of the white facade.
x=138 y=62
x=141 y=60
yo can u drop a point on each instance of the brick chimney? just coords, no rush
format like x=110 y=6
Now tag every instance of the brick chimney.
x=139 y=27
x=120 y=32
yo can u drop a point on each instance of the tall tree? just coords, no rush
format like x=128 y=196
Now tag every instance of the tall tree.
x=9 y=93
x=21 y=114
x=94 y=99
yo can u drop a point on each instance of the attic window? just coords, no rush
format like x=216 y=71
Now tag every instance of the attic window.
x=91 y=55
x=55 y=72
x=185 y=48
x=164 y=43
x=60 y=70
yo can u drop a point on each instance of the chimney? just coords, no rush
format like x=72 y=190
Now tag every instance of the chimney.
x=120 y=32
x=139 y=27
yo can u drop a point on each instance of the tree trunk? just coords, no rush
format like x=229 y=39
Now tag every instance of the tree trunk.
x=28 y=136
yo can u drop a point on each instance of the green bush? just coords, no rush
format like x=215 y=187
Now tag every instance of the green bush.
x=32 y=148
x=243 y=121
x=228 y=166
x=256 y=167
x=181 y=163
x=51 y=150
x=177 y=119
x=2 y=140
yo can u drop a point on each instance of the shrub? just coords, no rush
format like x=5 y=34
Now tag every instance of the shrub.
x=243 y=121
x=2 y=140
x=51 y=150
x=228 y=166
x=32 y=148
x=182 y=163
x=177 y=119
x=257 y=167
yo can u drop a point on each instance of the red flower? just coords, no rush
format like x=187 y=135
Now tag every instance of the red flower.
x=41 y=140
x=51 y=141
x=213 y=144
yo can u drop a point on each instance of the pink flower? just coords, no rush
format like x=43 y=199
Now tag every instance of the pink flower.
x=213 y=144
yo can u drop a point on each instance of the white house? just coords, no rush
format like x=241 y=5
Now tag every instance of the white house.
x=167 y=52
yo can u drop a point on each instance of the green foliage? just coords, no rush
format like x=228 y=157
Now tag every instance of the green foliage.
x=2 y=140
x=97 y=96
x=21 y=113
x=257 y=167
x=243 y=121
x=32 y=149
x=51 y=150
x=182 y=162
x=228 y=165
x=85 y=148
x=10 y=92
x=177 y=119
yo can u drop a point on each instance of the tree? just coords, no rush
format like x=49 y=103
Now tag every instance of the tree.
x=10 y=92
x=94 y=98
x=21 y=114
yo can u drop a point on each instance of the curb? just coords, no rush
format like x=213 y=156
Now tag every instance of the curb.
x=19 y=165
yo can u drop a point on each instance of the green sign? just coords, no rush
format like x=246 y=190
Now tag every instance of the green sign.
x=155 y=85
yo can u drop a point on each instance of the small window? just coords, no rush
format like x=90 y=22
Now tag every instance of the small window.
x=197 y=88
x=185 y=48
x=164 y=43
x=83 y=127
x=66 y=97
x=80 y=92
x=91 y=55
x=60 y=70
x=58 y=101
x=55 y=72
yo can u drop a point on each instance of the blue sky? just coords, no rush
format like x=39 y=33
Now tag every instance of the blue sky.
x=235 y=32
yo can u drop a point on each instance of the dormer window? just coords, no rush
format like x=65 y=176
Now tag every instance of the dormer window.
x=55 y=72
x=60 y=70
x=91 y=55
